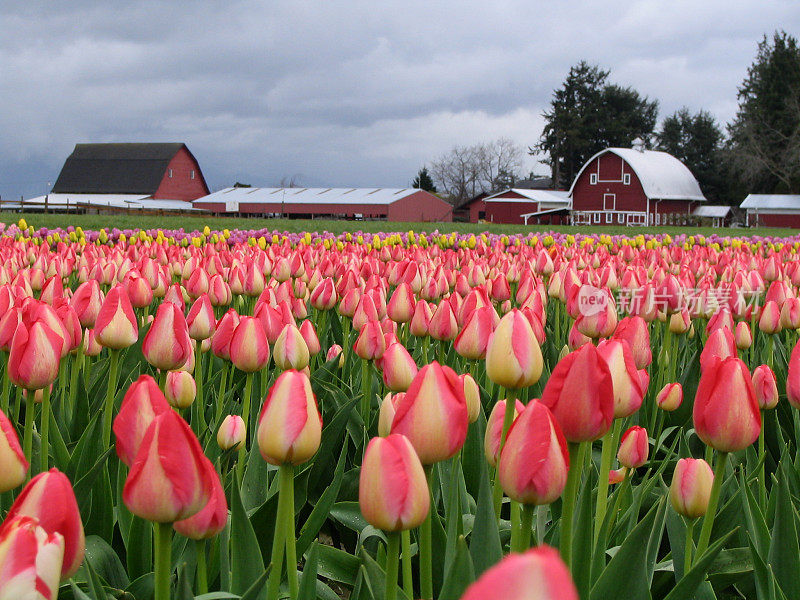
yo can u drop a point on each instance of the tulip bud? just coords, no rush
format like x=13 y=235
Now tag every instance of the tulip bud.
x=324 y=295
x=8 y=326
x=168 y=480
x=290 y=351
x=212 y=518
x=743 y=337
x=634 y=448
x=626 y=381
x=538 y=573
x=221 y=340
x=30 y=560
x=180 y=389
x=680 y=322
x=691 y=485
x=634 y=330
x=401 y=305
x=49 y=499
x=87 y=301
x=670 y=397
x=494 y=429
x=35 y=356
x=770 y=320
x=534 y=461
x=726 y=414
x=392 y=491
x=399 y=369
x=309 y=334
x=765 y=386
x=443 y=325
x=473 y=340
x=513 y=356
x=249 y=349
x=370 y=344
x=334 y=351
x=421 y=319
x=116 y=327
x=232 y=432
x=472 y=395
x=386 y=413
x=598 y=319
x=616 y=476
x=790 y=313
x=433 y=414
x=580 y=393
x=13 y=464
x=167 y=344
x=142 y=403
x=719 y=345
x=91 y=347
x=139 y=290
x=201 y=320
x=290 y=426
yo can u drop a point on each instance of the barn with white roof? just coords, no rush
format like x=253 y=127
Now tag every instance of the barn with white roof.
x=772 y=210
x=634 y=186
x=391 y=204
x=519 y=205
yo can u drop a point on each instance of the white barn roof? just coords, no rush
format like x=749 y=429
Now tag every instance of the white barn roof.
x=232 y=197
x=711 y=211
x=130 y=201
x=545 y=196
x=663 y=176
x=771 y=202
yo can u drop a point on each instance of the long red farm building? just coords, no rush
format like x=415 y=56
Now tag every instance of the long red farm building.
x=391 y=204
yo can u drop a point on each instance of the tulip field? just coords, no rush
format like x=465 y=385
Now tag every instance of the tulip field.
x=401 y=415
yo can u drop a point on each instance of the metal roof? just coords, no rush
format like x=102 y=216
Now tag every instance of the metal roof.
x=234 y=196
x=115 y=168
x=663 y=176
x=550 y=196
x=771 y=201
x=711 y=211
x=131 y=201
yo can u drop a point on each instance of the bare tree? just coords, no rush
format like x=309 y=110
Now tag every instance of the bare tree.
x=290 y=182
x=466 y=171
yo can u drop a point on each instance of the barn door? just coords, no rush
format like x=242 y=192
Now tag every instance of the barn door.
x=609 y=201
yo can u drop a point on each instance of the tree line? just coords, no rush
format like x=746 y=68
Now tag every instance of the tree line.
x=757 y=152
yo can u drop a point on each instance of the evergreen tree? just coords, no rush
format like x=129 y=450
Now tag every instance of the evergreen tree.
x=765 y=135
x=423 y=181
x=695 y=140
x=588 y=114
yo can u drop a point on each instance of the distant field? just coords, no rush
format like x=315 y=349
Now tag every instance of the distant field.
x=296 y=225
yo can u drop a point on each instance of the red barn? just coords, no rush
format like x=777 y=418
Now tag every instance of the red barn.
x=772 y=210
x=391 y=204
x=158 y=171
x=633 y=186
x=520 y=206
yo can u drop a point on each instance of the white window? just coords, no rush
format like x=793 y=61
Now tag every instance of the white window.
x=620 y=218
x=593 y=178
x=169 y=173
x=658 y=219
x=191 y=174
x=597 y=217
x=609 y=217
x=626 y=179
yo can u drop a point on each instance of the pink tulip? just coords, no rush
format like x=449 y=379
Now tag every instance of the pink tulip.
x=167 y=344
x=249 y=349
x=201 y=320
x=30 y=560
x=116 y=326
x=513 y=356
x=232 y=432
x=690 y=490
x=35 y=356
x=765 y=387
x=370 y=344
x=627 y=384
x=634 y=448
x=670 y=397
x=212 y=518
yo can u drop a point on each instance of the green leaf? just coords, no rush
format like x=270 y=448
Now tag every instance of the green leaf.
x=77 y=593
x=95 y=585
x=333 y=437
x=349 y=515
x=308 y=582
x=106 y=562
x=255 y=480
x=697 y=574
x=184 y=589
x=484 y=541
x=783 y=555
x=376 y=577
x=337 y=565
x=582 y=538
x=247 y=563
x=254 y=591
x=321 y=511
x=142 y=588
x=140 y=543
x=754 y=518
x=461 y=573
x=629 y=564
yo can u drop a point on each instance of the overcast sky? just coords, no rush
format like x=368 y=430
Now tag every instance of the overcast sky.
x=342 y=93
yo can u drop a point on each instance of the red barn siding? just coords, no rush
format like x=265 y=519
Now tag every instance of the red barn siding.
x=420 y=206
x=776 y=220
x=477 y=211
x=509 y=212
x=181 y=186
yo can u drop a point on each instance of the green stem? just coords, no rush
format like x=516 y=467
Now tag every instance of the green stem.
x=278 y=539
x=45 y=449
x=609 y=444
x=199 y=400
x=163 y=543
x=425 y=548
x=366 y=393
x=202 y=571
x=576 y=452
x=108 y=414
x=6 y=385
x=687 y=553
x=770 y=349
x=392 y=552
x=27 y=438
x=221 y=397
x=762 y=475
x=77 y=363
x=408 y=574
x=708 y=519
x=508 y=419
x=287 y=483
x=242 y=459
x=523 y=531
x=162 y=381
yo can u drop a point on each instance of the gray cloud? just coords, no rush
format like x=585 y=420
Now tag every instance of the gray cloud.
x=343 y=93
